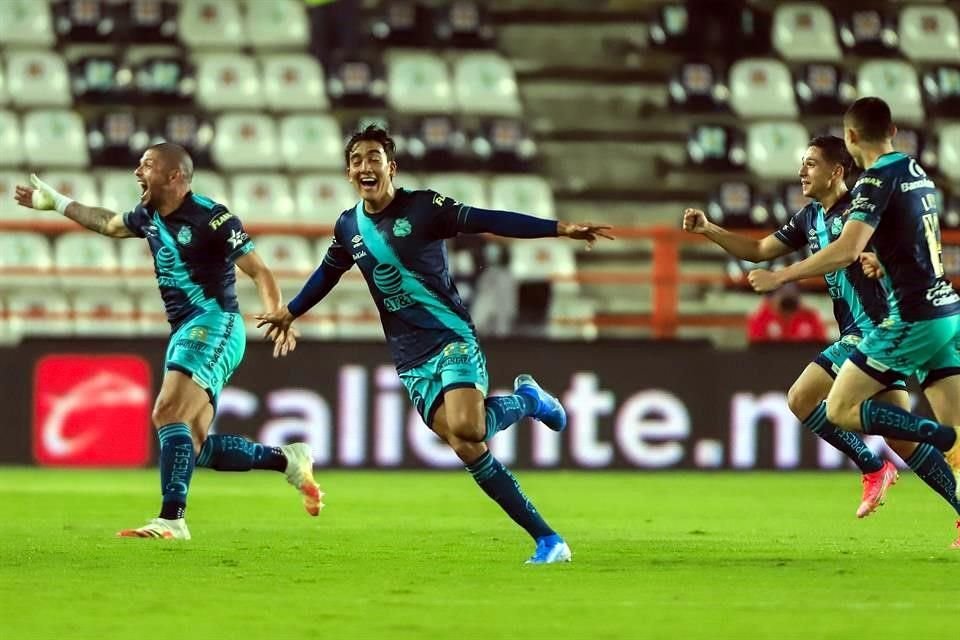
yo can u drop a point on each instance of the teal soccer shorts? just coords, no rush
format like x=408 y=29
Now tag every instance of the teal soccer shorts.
x=208 y=348
x=459 y=365
x=895 y=350
x=833 y=357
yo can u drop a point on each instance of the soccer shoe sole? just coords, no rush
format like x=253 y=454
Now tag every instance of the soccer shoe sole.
x=301 y=477
x=525 y=379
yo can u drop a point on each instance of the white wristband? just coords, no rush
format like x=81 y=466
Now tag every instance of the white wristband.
x=61 y=202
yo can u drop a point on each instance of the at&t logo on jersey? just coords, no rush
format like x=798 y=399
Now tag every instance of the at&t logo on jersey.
x=389 y=281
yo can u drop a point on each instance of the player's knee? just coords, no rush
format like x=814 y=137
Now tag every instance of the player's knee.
x=801 y=401
x=839 y=414
x=167 y=411
x=468 y=452
x=464 y=425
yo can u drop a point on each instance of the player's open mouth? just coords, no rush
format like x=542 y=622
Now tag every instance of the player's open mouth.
x=368 y=182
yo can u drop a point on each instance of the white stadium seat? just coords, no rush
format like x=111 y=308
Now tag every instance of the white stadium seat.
x=805 y=31
x=278 y=24
x=543 y=259
x=571 y=318
x=774 y=149
x=78 y=186
x=485 y=84
x=311 y=142
x=761 y=88
x=896 y=82
x=211 y=185
x=25 y=23
x=465 y=188
x=9 y=209
x=290 y=258
x=418 y=82
x=949 y=152
x=228 y=81
x=407 y=181
x=210 y=24
x=38 y=79
x=136 y=265
x=26 y=260
x=929 y=34
x=4 y=96
x=104 y=313
x=85 y=259
x=119 y=191
x=322 y=197
x=525 y=194
x=294 y=82
x=11 y=145
x=245 y=141
x=55 y=138
x=262 y=198
x=39 y=313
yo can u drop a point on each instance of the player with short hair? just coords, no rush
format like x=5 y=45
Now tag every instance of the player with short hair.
x=396 y=238
x=859 y=304
x=895 y=208
x=195 y=244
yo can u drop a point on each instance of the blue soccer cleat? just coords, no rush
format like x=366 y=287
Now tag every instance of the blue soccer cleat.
x=549 y=410
x=550 y=549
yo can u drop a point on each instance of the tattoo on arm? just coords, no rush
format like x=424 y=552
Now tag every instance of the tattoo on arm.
x=93 y=218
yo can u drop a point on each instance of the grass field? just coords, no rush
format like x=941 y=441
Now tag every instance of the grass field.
x=426 y=555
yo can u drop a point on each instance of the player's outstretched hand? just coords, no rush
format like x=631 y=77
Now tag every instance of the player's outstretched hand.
x=763 y=281
x=871 y=266
x=584 y=231
x=279 y=323
x=694 y=221
x=40 y=196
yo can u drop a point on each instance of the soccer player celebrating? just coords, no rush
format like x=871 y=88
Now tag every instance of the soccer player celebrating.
x=396 y=238
x=895 y=207
x=195 y=244
x=859 y=304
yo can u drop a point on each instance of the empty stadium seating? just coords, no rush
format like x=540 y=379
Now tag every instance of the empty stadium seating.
x=25 y=23
x=211 y=24
x=805 y=31
x=761 y=87
x=311 y=142
x=37 y=79
x=11 y=145
x=293 y=82
x=262 y=198
x=418 y=83
x=245 y=141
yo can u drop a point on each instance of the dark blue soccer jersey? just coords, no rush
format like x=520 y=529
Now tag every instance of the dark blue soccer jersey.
x=403 y=257
x=859 y=303
x=896 y=197
x=194 y=249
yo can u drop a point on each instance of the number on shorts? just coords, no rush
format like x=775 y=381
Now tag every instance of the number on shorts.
x=931 y=229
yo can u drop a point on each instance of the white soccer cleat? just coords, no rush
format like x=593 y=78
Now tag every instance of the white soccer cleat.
x=159 y=528
x=299 y=473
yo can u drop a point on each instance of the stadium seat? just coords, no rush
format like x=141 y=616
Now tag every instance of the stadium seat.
x=192 y=131
x=119 y=190
x=100 y=78
x=730 y=205
x=163 y=79
x=357 y=79
x=152 y=21
x=929 y=34
x=280 y=24
x=311 y=142
x=321 y=197
x=527 y=194
x=805 y=31
x=54 y=138
x=896 y=82
x=85 y=260
x=761 y=88
x=262 y=198
x=408 y=181
x=571 y=318
x=39 y=313
x=211 y=185
x=117 y=139
x=463 y=23
x=26 y=260
x=485 y=84
x=38 y=79
x=418 y=82
x=293 y=82
x=733 y=27
x=73 y=184
x=545 y=260
x=89 y=20
x=11 y=146
x=941 y=90
x=9 y=209
x=403 y=23
x=504 y=142
x=823 y=89
x=136 y=266
x=245 y=141
x=228 y=81
x=465 y=188
x=290 y=258
x=104 y=313
x=695 y=87
x=790 y=200
x=436 y=142
x=25 y=23
x=210 y=24
x=712 y=147
x=949 y=151
x=774 y=149
x=868 y=32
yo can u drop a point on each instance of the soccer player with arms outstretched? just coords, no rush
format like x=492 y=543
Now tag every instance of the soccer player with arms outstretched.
x=396 y=238
x=895 y=209
x=195 y=244
x=859 y=305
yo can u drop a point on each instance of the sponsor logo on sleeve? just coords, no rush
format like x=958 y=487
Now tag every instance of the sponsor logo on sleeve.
x=237 y=238
x=217 y=222
x=870 y=180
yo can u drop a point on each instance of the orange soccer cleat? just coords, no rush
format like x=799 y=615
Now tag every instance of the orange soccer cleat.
x=875 y=487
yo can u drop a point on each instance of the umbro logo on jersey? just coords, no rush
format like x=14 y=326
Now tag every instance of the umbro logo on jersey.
x=150 y=231
x=357 y=240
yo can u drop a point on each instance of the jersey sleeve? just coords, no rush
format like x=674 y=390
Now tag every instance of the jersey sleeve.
x=229 y=235
x=870 y=197
x=446 y=214
x=137 y=220
x=794 y=232
x=338 y=254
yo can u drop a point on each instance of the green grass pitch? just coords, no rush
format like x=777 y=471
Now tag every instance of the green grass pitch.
x=427 y=555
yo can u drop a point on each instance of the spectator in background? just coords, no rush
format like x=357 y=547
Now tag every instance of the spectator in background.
x=781 y=317
x=494 y=307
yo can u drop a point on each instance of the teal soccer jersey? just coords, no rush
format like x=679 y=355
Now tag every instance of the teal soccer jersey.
x=859 y=303
x=403 y=258
x=194 y=249
x=896 y=197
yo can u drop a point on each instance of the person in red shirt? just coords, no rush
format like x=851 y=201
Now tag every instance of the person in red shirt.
x=781 y=317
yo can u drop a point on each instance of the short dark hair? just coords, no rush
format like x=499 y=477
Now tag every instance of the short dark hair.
x=835 y=151
x=373 y=133
x=176 y=155
x=871 y=119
